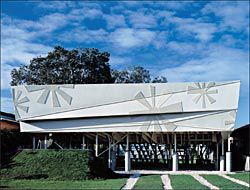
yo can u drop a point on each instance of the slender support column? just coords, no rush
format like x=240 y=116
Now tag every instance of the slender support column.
x=83 y=142
x=96 y=145
x=175 y=143
x=229 y=155
x=113 y=157
x=109 y=158
x=228 y=161
x=222 y=147
x=70 y=140
x=175 y=155
x=45 y=142
x=171 y=150
x=127 y=156
x=217 y=156
x=222 y=158
x=34 y=143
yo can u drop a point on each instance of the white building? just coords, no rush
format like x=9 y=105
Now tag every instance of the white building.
x=146 y=121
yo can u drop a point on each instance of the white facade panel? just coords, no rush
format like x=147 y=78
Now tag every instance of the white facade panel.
x=160 y=107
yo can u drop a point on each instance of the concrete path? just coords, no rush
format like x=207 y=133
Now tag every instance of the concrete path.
x=235 y=180
x=203 y=181
x=162 y=172
x=131 y=181
x=166 y=182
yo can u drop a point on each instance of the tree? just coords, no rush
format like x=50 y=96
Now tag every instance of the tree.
x=77 y=66
x=159 y=80
x=135 y=75
x=61 y=66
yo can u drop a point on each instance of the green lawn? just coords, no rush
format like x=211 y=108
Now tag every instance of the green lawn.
x=185 y=182
x=149 y=182
x=49 y=184
x=221 y=182
x=243 y=176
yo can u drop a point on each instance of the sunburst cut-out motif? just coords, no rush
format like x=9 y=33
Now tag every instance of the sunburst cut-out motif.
x=55 y=90
x=18 y=101
x=155 y=109
x=231 y=121
x=203 y=92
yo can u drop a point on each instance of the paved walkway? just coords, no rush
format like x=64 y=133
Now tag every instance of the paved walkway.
x=203 y=181
x=131 y=181
x=235 y=180
x=162 y=172
x=166 y=182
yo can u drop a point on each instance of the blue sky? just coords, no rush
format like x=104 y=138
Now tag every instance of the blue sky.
x=184 y=41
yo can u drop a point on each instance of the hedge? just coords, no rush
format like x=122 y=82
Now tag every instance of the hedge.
x=56 y=164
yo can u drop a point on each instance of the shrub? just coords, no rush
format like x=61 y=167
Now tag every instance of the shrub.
x=11 y=141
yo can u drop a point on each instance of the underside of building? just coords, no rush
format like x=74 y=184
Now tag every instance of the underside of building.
x=169 y=126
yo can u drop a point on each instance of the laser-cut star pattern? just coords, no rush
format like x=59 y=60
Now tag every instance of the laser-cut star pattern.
x=153 y=108
x=18 y=100
x=54 y=90
x=204 y=92
x=229 y=122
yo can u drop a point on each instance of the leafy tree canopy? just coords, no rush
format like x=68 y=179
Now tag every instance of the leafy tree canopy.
x=77 y=66
x=135 y=75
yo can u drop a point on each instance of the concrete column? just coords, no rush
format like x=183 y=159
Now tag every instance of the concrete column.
x=247 y=164
x=45 y=142
x=83 y=143
x=109 y=154
x=34 y=143
x=222 y=157
x=228 y=161
x=175 y=156
x=70 y=140
x=171 y=151
x=175 y=162
x=113 y=158
x=229 y=143
x=127 y=156
x=229 y=155
x=96 y=145
x=217 y=156
x=175 y=143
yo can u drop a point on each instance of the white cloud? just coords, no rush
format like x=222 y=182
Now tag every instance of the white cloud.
x=63 y=5
x=220 y=64
x=84 y=35
x=184 y=48
x=7 y=105
x=173 y=5
x=142 y=19
x=234 y=15
x=17 y=47
x=160 y=39
x=55 y=5
x=20 y=51
x=15 y=52
x=130 y=38
x=80 y=14
x=5 y=75
x=114 y=21
x=189 y=26
x=118 y=60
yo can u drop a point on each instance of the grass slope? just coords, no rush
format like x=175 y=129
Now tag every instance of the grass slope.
x=66 y=184
x=243 y=176
x=55 y=165
x=221 y=182
x=149 y=182
x=185 y=182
